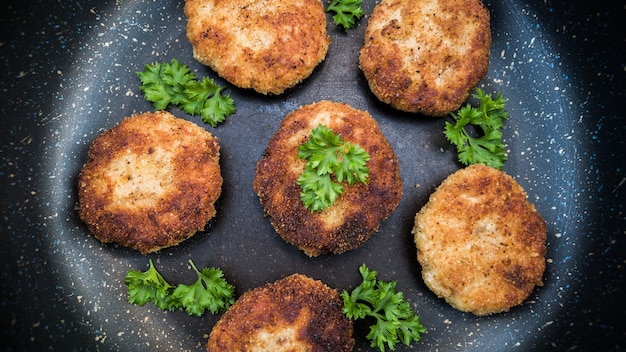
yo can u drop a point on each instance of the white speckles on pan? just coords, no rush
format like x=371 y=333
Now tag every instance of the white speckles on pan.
x=70 y=72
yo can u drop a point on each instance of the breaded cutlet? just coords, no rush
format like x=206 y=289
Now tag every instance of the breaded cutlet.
x=358 y=212
x=293 y=314
x=426 y=56
x=268 y=46
x=480 y=242
x=150 y=182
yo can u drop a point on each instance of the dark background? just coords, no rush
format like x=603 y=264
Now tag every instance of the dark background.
x=68 y=73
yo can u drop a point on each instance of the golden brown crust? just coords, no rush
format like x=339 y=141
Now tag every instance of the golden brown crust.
x=357 y=213
x=266 y=46
x=426 y=55
x=150 y=182
x=296 y=313
x=480 y=242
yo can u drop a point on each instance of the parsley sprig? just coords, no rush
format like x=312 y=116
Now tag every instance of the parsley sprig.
x=489 y=116
x=328 y=156
x=148 y=286
x=346 y=12
x=210 y=291
x=174 y=83
x=395 y=320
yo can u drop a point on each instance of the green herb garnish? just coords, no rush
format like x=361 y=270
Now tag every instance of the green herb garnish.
x=330 y=161
x=489 y=116
x=174 y=83
x=211 y=291
x=346 y=12
x=395 y=320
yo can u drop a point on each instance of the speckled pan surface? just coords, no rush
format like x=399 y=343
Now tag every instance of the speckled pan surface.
x=68 y=73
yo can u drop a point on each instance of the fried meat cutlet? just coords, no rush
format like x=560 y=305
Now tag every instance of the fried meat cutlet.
x=268 y=46
x=356 y=213
x=426 y=56
x=480 y=242
x=295 y=313
x=150 y=182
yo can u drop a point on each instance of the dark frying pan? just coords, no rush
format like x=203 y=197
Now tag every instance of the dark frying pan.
x=69 y=73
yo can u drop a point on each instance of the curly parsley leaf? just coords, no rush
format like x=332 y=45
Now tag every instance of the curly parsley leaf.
x=346 y=12
x=318 y=191
x=328 y=156
x=489 y=117
x=148 y=286
x=174 y=83
x=210 y=291
x=205 y=99
x=352 y=168
x=395 y=320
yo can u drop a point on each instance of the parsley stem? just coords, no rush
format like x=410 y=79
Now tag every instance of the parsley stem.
x=193 y=266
